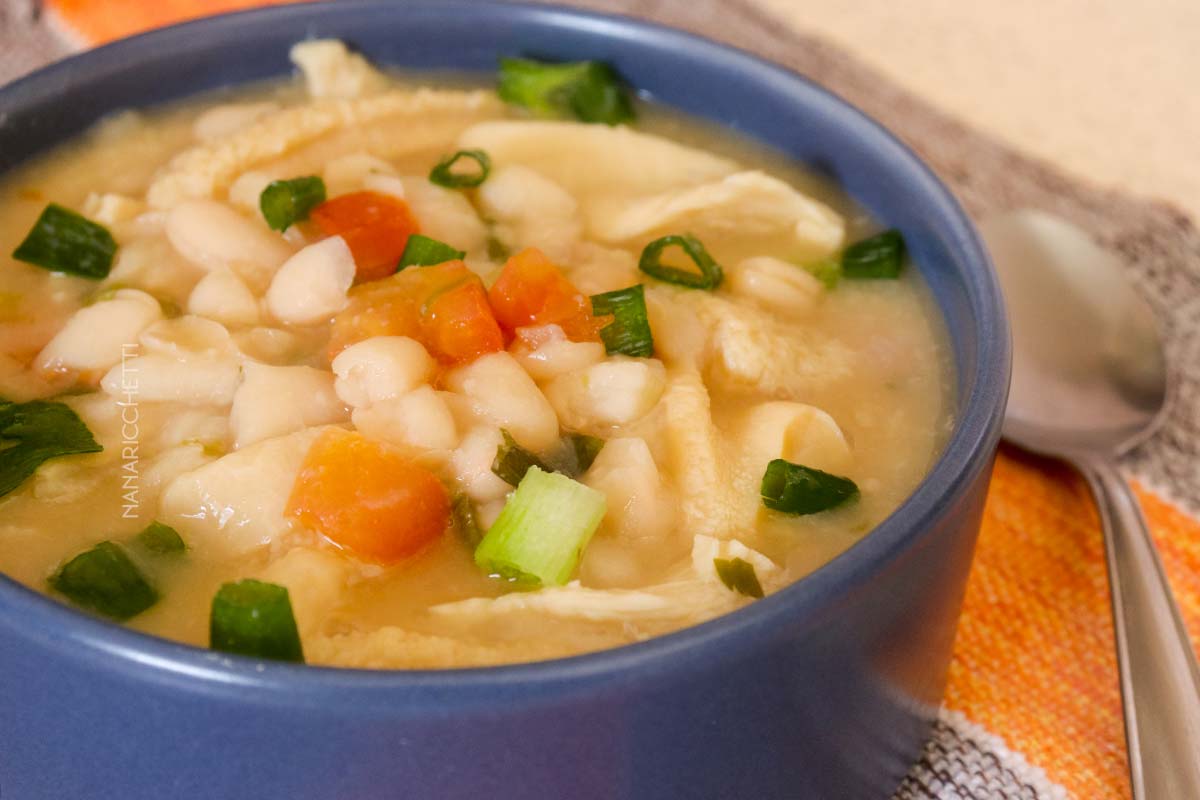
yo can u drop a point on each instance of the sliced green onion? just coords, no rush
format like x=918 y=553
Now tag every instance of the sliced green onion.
x=881 y=256
x=795 y=489
x=286 y=202
x=421 y=251
x=582 y=451
x=827 y=271
x=542 y=530
x=160 y=539
x=106 y=581
x=589 y=91
x=443 y=174
x=513 y=461
x=465 y=521
x=63 y=241
x=710 y=272
x=253 y=618
x=629 y=332
x=34 y=432
x=738 y=575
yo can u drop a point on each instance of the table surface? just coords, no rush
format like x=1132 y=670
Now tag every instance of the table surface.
x=1102 y=88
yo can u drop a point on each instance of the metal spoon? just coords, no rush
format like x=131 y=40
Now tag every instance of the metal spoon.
x=1090 y=382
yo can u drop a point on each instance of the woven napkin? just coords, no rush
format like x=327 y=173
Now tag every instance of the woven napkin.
x=1032 y=709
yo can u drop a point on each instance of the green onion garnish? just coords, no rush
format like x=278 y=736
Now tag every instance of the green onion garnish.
x=710 y=272
x=465 y=522
x=629 y=332
x=581 y=451
x=738 y=575
x=253 y=618
x=421 y=251
x=828 y=271
x=795 y=489
x=286 y=202
x=542 y=530
x=160 y=539
x=443 y=174
x=881 y=256
x=513 y=461
x=589 y=91
x=34 y=432
x=63 y=241
x=106 y=581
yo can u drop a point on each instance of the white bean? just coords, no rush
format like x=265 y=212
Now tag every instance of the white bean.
x=311 y=286
x=504 y=394
x=381 y=368
x=210 y=235
x=187 y=336
x=347 y=173
x=614 y=392
x=536 y=211
x=639 y=506
x=269 y=345
x=274 y=401
x=235 y=504
x=445 y=215
x=246 y=190
x=157 y=377
x=776 y=284
x=471 y=465
x=417 y=419
x=96 y=337
x=111 y=209
x=556 y=354
x=222 y=296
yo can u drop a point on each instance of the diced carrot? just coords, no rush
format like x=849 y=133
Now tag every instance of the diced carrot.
x=458 y=325
x=368 y=498
x=444 y=307
x=532 y=291
x=375 y=226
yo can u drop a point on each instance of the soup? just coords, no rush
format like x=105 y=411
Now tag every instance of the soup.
x=378 y=371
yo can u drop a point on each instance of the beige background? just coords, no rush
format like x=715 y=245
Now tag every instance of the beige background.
x=1107 y=89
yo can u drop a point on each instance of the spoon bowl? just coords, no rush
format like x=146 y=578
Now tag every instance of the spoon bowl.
x=1089 y=376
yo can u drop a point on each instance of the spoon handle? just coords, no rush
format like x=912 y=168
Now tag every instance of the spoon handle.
x=1160 y=681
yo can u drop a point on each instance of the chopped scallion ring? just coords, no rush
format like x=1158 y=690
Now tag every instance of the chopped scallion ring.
x=286 y=202
x=795 y=489
x=583 y=450
x=881 y=256
x=106 y=581
x=513 y=461
x=542 y=530
x=443 y=174
x=465 y=522
x=629 y=332
x=253 y=618
x=37 y=431
x=710 y=272
x=739 y=576
x=589 y=91
x=63 y=241
x=160 y=539
x=422 y=251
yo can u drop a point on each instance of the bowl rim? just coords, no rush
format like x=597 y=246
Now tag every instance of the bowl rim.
x=966 y=454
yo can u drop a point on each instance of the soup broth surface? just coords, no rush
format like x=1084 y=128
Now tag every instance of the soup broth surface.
x=207 y=428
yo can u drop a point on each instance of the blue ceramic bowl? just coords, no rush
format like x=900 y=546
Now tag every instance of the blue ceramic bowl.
x=823 y=690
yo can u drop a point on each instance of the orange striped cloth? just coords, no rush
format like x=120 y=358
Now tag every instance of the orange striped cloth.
x=1034 y=661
